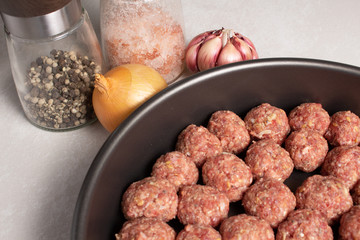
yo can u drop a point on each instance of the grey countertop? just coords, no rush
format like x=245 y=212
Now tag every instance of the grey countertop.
x=41 y=172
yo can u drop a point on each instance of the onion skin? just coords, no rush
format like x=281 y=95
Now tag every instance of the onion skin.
x=123 y=89
x=216 y=48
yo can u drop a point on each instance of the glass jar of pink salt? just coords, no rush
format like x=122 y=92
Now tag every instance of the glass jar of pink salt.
x=148 y=32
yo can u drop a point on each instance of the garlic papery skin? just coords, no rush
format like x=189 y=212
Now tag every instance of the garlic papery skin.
x=216 y=48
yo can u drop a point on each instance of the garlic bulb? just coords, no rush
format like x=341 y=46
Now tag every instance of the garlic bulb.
x=216 y=48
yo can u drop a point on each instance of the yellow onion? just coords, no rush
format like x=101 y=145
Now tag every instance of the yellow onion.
x=216 y=48
x=123 y=89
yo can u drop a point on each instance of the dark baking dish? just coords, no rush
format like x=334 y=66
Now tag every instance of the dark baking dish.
x=130 y=151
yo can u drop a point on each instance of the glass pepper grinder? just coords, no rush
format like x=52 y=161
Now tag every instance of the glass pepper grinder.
x=54 y=54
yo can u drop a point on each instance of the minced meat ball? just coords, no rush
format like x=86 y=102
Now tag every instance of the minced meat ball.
x=309 y=116
x=307 y=149
x=344 y=129
x=268 y=159
x=355 y=193
x=227 y=173
x=204 y=205
x=197 y=143
x=267 y=122
x=230 y=129
x=344 y=163
x=198 y=232
x=243 y=226
x=269 y=199
x=304 y=224
x=177 y=168
x=150 y=197
x=350 y=224
x=326 y=194
x=146 y=228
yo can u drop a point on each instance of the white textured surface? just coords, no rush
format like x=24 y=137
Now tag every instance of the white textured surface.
x=41 y=172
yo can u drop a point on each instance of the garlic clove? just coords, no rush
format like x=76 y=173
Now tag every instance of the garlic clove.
x=248 y=44
x=193 y=49
x=242 y=47
x=229 y=54
x=209 y=52
x=198 y=39
x=191 y=57
x=252 y=47
x=253 y=50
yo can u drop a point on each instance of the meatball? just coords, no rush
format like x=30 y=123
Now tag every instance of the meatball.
x=269 y=199
x=146 y=228
x=150 y=197
x=243 y=226
x=204 y=205
x=304 y=224
x=269 y=160
x=326 y=194
x=355 y=193
x=177 y=168
x=344 y=129
x=231 y=130
x=267 y=122
x=199 y=232
x=227 y=173
x=309 y=116
x=197 y=143
x=307 y=149
x=344 y=163
x=350 y=224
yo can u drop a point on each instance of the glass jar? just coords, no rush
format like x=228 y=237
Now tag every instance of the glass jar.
x=148 y=32
x=54 y=58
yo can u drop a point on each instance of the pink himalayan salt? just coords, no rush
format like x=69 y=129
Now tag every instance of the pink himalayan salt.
x=134 y=33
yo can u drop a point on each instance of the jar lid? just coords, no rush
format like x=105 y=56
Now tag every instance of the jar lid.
x=45 y=25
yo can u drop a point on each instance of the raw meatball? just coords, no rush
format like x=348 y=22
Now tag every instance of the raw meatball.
x=197 y=143
x=309 y=116
x=268 y=159
x=204 y=205
x=355 y=193
x=243 y=226
x=267 y=122
x=344 y=163
x=307 y=149
x=227 y=173
x=270 y=200
x=177 y=168
x=150 y=197
x=344 y=129
x=198 y=232
x=231 y=131
x=350 y=224
x=326 y=194
x=146 y=228
x=304 y=224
